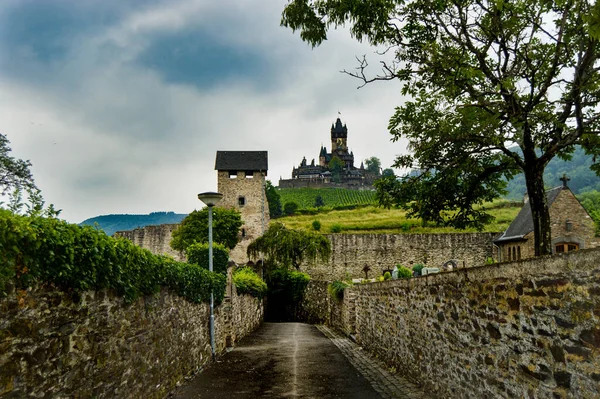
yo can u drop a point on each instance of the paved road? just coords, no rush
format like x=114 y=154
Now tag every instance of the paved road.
x=291 y=360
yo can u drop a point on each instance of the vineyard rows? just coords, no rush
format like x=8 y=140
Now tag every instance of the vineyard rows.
x=332 y=197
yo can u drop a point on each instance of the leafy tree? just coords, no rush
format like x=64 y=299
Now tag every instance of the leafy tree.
x=274 y=200
x=336 y=167
x=388 y=172
x=289 y=248
x=319 y=201
x=197 y=253
x=194 y=228
x=373 y=165
x=481 y=77
x=316 y=225
x=290 y=208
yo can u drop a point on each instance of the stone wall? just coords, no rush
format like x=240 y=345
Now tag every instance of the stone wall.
x=156 y=239
x=57 y=344
x=528 y=329
x=351 y=252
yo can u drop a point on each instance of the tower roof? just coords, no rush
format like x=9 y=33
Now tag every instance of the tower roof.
x=339 y=130
x=242 y=160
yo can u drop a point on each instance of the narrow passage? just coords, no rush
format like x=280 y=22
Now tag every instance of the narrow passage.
x=280 y=360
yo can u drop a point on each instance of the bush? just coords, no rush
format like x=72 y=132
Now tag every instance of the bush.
x=70 y=257
x=417 y=269
x=336 y=228
x=404 y=272
x=290 y=208
x=336 y=289
x=248 y=282
x=198 y=254
x=387 y=276
x=316 y=225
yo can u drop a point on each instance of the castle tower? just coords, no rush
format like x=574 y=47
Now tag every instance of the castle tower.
x=339 y=136
x=241 y=180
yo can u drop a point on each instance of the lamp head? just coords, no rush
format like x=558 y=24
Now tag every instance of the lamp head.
x=210 y=198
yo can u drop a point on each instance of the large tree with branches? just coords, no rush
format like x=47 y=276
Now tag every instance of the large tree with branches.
x=494 y=87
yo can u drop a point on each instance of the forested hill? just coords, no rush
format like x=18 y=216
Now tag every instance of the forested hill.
x=577 y=169
x=112 y=223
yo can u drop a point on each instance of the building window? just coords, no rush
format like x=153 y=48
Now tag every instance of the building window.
x=508 y=253
x=249 y=174
x=519 y=252
x=243 y=233
x=233 y=174
x=242 y=201
x=562 y=247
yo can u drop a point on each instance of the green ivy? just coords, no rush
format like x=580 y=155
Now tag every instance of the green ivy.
x=198 y=253
x=248 y=282
x=70 y=257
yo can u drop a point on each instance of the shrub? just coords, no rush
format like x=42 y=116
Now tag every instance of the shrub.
x=336 y=289
x=404 y=272
x=290 y=208
x=387 y=276
x=417 y=269
x=336 y=228
x=316 y=225
x=70 y=257
x=198 y=254
x=248 y=282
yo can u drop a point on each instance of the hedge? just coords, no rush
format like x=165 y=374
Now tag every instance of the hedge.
x=47 y=250
x=248 y=282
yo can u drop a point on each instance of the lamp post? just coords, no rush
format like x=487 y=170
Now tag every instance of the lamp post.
x=211 y=199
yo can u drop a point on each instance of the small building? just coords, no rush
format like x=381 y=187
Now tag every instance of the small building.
x=572 y=228
x=241 y=179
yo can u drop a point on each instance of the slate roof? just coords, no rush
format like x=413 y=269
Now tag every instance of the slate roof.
x=523 y=223
x=241 y=160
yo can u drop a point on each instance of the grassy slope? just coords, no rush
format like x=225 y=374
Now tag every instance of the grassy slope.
x=372 y=219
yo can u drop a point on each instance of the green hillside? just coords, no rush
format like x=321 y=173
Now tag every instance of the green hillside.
x=332 y=197
x=112 y=223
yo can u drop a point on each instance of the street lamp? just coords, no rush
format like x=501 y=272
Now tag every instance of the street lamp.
x=211 y=199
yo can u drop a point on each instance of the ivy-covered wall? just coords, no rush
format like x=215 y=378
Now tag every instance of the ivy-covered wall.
x=528 y=329
x=92 y=344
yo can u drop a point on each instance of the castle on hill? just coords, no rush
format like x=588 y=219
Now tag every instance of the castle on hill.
x=335 y=168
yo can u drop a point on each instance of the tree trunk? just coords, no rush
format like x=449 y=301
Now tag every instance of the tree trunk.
x=534 y=179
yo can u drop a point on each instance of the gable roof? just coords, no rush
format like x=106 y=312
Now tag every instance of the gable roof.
x=241 y=160
x=523 y=223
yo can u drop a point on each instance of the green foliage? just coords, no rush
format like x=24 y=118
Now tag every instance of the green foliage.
x=289 y=248
x=388 y=172
x=290 y=208
x=405 y=272
x=319 y=202
x=417 y=269
x=333 y=198
x=336 y=166
x=47 y=250
x=248 y=282
x=194 y=228
x=274 y=200
x=110 y=224
x=336 y=289
x=287 y=284
x=316 y=225
x=197 y=253
x=387 y=276
x=336 y=228
x=373 y=165
x=473 y=94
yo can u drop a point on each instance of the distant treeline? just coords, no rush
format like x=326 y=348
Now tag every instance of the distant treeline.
x=112 y=223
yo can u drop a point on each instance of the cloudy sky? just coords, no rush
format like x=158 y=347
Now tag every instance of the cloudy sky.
x=122 y=105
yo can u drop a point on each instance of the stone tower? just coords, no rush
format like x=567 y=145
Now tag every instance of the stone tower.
x=241 y=179
x=339 y=136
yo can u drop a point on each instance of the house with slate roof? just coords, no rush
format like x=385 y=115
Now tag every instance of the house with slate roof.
x=241 y=179
x=572 y=228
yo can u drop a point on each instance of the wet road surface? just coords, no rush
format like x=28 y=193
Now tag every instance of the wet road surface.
x=280 y=360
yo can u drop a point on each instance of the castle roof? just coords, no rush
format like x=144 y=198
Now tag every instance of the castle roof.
x=339 y=130
x=242 y=160
x=523 y=223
